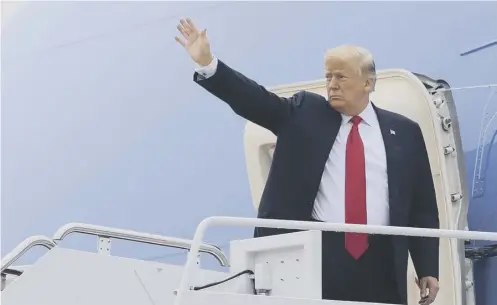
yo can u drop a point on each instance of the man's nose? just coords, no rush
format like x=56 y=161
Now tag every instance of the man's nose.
x=333 y=83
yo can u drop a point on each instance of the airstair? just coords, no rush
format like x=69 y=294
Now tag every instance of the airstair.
x=275 y=270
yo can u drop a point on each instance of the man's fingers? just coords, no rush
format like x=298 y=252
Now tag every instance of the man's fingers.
x=182 y=30
x=187 y=28
x=181 y=41
x=428 y=300
x=422 y=288
x=191 y=25
x=428 y=297
x=433 y=292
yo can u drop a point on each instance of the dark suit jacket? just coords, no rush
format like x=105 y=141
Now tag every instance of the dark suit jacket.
x=306 y=126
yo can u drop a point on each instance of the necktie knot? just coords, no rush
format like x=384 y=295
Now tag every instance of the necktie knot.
x=356 y=120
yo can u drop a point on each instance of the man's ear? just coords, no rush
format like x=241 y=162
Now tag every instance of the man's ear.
x=369 y=85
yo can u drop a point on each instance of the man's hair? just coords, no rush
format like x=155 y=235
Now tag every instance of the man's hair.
x=364 y=59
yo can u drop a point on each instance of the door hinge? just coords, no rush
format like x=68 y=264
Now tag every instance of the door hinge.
x=449 y=149
x=446 y=123
x=455 y=197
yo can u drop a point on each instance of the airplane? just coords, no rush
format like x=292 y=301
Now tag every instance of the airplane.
x=455 y=119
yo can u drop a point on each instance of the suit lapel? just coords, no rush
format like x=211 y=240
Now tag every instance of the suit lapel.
x=390 y=136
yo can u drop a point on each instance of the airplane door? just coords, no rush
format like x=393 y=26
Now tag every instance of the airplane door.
x=429 y=103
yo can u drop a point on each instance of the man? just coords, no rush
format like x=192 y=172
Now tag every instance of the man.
x=337 y=160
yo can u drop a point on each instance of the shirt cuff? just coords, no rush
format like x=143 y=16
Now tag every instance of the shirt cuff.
x=208 y=70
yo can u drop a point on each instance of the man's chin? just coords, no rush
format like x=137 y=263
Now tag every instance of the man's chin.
x=336 y=103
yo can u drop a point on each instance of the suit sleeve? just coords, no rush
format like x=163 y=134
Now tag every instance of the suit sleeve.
x=248 y=99
x=424 y=214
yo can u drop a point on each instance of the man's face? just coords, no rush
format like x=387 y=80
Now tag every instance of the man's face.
x=347 y=88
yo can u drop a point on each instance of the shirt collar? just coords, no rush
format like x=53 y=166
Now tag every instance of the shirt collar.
x=368 y=115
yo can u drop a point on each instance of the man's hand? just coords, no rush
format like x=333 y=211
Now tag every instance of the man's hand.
x=195 y=42
x=428 y=289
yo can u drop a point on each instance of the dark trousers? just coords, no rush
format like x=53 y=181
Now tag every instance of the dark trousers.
x=371 y=278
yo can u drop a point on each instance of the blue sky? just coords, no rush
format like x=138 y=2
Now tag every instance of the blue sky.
x=101 y=122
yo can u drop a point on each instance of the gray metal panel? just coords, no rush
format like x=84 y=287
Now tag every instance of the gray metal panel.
x=65 y=276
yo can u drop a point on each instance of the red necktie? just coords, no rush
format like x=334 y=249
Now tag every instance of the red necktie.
x=355 y=190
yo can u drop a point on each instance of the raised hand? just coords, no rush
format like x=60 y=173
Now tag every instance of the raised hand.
x=195 y=42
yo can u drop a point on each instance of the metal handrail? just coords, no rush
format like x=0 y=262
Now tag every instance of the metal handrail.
x=23 y=247
x=130 y=235
x=311 y=225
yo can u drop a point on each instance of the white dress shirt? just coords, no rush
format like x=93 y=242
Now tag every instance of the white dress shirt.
x=330 y=201
x=329 y=205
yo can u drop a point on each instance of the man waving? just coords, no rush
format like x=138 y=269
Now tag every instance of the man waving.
x=338 y=160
